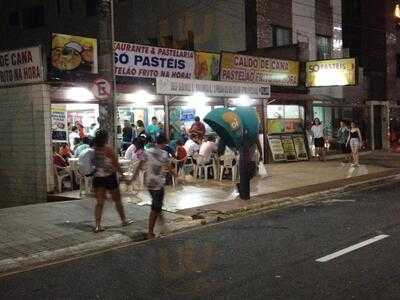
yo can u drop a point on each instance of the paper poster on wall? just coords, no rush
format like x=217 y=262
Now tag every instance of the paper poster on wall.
x=288 y=147
x=275 y=144
x=276 y=126
x=207 y=65
x=300 y=147
x=187 y=114
x=59 y=124
x=133 y=60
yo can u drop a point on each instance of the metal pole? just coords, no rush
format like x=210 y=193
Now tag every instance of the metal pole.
x=264 y=129
x=166 y=118
x=372 y=127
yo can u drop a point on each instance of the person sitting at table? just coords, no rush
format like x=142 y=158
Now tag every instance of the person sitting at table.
x=60 y=163
x=167 y=148
x=135 y=151
x=207 y=148
x=192 y=146
x=65 y=151
x=83 y=144
x=180 y=154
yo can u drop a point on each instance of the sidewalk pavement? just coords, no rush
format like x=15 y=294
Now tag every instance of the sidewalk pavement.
x=36 y=234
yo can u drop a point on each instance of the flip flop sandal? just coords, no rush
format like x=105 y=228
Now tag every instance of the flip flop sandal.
x=98 y=229
x=126 y=223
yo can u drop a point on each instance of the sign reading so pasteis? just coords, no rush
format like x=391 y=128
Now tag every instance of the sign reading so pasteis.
x=245 y=68
x=143 y=61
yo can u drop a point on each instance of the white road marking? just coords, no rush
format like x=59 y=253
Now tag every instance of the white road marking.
x=338 y=200
x=351 y=248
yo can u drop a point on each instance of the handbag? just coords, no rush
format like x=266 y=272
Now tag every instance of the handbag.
x=262 y=171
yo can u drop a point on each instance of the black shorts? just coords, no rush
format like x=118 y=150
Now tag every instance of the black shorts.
x=109 y=182
x=319 y=142
x=157 y=199
x=345 y=148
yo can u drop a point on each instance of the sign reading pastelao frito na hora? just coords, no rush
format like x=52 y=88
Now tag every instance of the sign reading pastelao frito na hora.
x=133 y=60
x=21 y=66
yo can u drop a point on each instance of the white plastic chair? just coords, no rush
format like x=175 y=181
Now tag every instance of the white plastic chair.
x=204 y=165
x=137 y=184
x=85 y=184
x=228 y=165
x=61 y=175
x=189 y=164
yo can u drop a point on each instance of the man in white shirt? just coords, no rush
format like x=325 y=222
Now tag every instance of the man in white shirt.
x=72 y=136
x=191 y=147
x=207 y=148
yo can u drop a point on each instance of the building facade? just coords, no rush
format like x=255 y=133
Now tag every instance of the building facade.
x=300 y=31
x=185 y=24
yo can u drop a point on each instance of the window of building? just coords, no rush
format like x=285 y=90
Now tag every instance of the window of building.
x=324 y=47
x=14 y=20
x=33 y=17
x=92 y=8
x=281 y=36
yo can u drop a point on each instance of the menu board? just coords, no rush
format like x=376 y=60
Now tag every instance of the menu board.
x=300 y=147
x=275 y=144
x=288 y=148
x=59 y=122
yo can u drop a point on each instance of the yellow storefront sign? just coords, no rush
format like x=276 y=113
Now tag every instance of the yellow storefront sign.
x=244 y=68
x=335 y=72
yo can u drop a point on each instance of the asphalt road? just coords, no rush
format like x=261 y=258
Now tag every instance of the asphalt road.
x=263 y=256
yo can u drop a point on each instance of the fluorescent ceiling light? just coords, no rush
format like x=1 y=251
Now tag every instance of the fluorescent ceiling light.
x=243 y=100
x=140 y=96
x=198 y=99
x=79 y=94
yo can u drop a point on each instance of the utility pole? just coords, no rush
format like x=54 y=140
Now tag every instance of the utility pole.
x=107 y=108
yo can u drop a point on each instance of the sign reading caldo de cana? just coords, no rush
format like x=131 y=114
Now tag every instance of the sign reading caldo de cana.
x=143 y=61
x=244 y=68
x=334 y=72
x=21 y=66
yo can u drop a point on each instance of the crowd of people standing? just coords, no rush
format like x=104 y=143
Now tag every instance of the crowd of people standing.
x=349 y=141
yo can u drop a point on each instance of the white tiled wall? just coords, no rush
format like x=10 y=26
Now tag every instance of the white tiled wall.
x=25 y=151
